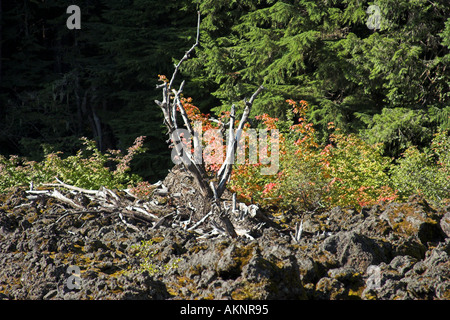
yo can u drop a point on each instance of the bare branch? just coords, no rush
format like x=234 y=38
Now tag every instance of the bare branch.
x=169 y=108
x=187 y=54
x=254 y=95
x=129 y=225
x=231 y=149
x=234 y=203
x=229 y=228
x=68 y=186
x=201 y=221
x=58 y=195
x=225 y=170
x=298 y=232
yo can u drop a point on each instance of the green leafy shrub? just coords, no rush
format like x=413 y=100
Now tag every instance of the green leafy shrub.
x=146 y=253
x=299 y=181
x=425 y=172
x=88 y=168
x=347 y=172
x=358 y=172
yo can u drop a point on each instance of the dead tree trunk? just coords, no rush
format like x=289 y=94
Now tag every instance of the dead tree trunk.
x=171 y=106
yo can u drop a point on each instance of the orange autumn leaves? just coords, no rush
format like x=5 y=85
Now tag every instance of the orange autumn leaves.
x=346 y=172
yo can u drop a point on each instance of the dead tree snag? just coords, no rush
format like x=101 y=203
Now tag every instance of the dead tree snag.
x=171 y=107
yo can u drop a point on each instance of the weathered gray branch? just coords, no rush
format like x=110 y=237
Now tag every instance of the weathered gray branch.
x=187 y=54
x=169 y=109
x=224 y=172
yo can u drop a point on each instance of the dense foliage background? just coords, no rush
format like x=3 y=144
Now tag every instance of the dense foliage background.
x=59 y=84
x=388 y=86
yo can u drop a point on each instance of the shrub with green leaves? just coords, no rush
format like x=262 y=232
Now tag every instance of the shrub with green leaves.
x=358 y=172
x=146 y=253
x=425 y=172
x=88 y=168
x=347 y=172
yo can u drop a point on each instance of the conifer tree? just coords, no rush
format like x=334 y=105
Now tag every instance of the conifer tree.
x=325 y=53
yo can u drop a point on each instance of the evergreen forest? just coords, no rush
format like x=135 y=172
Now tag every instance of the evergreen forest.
x=372 y=78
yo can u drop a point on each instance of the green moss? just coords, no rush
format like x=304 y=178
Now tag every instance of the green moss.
x=157 y=239
x=250 y=291
x=242 y=255
x=174 y=288
x=370 y=296
x=196 y=270
x=88 y=216
x=198 y=248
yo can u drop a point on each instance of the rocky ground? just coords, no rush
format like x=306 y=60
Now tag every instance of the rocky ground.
x=388 y=251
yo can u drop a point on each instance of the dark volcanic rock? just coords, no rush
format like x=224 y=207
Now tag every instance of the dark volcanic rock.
x=445 y=224
x=414 y=219
x=355 y=250
x=394 y=251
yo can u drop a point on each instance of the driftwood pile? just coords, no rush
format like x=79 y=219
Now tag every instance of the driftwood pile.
x=168 y=208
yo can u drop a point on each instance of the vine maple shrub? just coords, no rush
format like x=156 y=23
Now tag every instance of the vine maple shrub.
x=346 y=172
x=212 y=149
x=358 y=172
